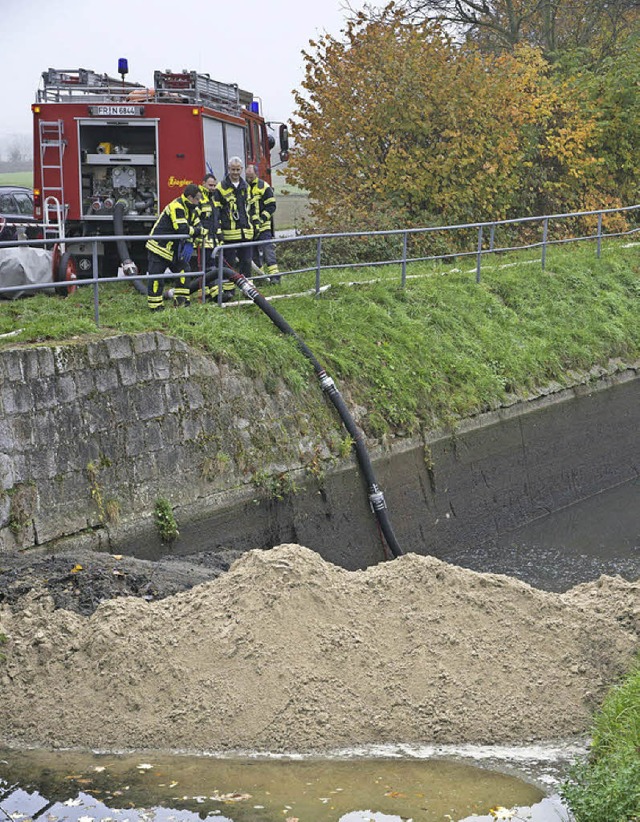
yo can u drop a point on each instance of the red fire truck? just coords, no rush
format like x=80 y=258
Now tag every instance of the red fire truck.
x=109 y=154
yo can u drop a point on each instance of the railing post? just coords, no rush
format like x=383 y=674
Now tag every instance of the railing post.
x=94 y=263
x=599 y=243
x=220 y=274
x=318 y=253
x=545 y=232
x=404 y=259
x=479 y=257
x=492 y=235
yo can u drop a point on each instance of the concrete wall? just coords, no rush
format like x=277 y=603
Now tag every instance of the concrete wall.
x=91 y=435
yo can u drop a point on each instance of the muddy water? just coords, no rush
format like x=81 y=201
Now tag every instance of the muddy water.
x=600 y=535
x=84 y=787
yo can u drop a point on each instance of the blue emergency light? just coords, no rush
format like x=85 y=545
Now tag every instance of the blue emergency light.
x=255 y=107
x=123 y=66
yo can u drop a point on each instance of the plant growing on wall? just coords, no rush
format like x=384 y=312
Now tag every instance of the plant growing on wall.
x=166 y=521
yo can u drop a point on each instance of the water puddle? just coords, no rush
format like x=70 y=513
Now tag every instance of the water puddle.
x=390 y=785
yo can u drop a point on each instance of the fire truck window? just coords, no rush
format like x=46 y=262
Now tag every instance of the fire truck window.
x=235 y=137
x=257 y=145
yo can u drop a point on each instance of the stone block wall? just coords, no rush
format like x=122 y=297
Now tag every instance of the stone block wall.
x=92 y=434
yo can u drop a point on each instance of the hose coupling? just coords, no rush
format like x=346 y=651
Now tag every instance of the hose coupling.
x=129 y=268
x=326 y=383
x=245 y=286
x=376 y=501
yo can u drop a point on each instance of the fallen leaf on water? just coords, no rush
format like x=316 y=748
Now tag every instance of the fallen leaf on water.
x=117 y=556
x=500 y=812
x=229 y=797
x=394 y=794
x=76 y=568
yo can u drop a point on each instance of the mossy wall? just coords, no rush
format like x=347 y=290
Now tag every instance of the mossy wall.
x=93 y=434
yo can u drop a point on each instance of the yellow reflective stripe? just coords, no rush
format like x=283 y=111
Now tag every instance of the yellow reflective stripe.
x=166 y=252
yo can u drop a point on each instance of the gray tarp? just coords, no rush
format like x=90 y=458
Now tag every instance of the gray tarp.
x=22 y=266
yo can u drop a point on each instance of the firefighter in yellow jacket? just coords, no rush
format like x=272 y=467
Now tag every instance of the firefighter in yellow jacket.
x=263 y=206
x=180 y=216
x=232 y=201
x=211 y=238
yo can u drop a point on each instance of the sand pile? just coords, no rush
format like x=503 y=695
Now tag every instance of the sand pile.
x=287 y=652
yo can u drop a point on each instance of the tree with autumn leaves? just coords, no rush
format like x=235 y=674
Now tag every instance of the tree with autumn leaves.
x=397 y=125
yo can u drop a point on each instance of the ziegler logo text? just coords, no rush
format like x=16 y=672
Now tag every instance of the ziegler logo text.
x=175 y=182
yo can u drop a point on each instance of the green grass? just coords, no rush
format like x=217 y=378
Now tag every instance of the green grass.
x=440 y=349
x=606 y=786
x=17 y=178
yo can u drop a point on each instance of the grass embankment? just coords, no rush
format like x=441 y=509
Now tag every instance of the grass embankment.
x=607 y=785
x=442 y=348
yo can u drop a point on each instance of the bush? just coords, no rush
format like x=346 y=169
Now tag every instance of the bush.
x=606 y=785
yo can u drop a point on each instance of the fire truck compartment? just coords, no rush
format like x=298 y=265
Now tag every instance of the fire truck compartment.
x=118 y=160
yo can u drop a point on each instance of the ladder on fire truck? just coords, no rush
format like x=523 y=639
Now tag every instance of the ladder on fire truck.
x=52 y=146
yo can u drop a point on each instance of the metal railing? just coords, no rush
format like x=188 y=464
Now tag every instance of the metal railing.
x=485 y=244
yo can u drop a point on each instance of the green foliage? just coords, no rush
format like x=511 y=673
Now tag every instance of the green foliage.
x=609 y=89
x=166 y=521
x=276 y=486
x=454 y=133
x=22 y=506
x=3 y=641
x=607 y=784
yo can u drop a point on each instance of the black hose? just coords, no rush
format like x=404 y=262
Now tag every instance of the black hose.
x=128 y=266
x=376 y=497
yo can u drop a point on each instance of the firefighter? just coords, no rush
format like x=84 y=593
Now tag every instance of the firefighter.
x=208 y=218
x=180 y=216
x=232 y=201
x=211 y=238
x=263 y=206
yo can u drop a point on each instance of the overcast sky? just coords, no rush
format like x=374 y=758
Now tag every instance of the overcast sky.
x=255 y=44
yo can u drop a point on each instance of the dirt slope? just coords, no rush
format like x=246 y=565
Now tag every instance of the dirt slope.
x=287 y=652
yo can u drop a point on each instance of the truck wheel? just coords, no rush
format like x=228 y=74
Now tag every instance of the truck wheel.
x=67 y=272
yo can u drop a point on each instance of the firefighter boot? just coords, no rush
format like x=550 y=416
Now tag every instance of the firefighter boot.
x=182 y=295
x=228 y=292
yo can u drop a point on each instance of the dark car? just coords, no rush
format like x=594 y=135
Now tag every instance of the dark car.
x=16 y=213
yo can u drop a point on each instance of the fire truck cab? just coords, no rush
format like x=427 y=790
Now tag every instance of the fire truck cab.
x=101 y=142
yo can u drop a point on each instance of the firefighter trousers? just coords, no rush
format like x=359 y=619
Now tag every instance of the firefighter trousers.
x=264 y=256
x=212 y=275
x=239 y=259
x=158 y=265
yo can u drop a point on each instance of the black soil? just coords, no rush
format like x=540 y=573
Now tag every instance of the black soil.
x=80 y=580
